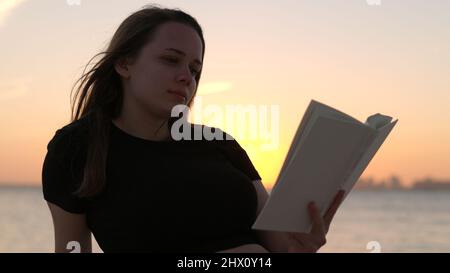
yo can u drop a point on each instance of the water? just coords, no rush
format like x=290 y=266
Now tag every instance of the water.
x=25 y=221
x=398 y=221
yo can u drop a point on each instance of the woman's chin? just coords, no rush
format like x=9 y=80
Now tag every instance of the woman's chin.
x=172 y=105
x=170 y=110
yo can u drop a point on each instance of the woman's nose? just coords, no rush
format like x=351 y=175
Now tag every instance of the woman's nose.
x=185 y=75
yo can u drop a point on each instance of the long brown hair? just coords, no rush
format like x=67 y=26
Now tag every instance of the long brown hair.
x=99 y=93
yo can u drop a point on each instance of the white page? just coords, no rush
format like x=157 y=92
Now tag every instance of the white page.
x=314 y=110
x=315 y=173
x=367 y=155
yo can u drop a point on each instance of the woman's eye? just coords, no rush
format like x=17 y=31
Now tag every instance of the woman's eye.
x=175 y=60
x=171 y=60
x=194 y=72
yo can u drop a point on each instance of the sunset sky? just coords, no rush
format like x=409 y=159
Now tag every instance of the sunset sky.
x=392 y=58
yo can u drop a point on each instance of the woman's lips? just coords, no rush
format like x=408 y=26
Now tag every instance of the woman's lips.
x=178 y=94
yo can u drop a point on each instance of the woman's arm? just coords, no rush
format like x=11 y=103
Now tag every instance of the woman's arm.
x=270 y=241
x=70 y=227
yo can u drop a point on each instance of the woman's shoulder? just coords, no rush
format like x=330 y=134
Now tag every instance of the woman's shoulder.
x=231 y=149
x=217 y=137
x=71 y=135
x=210 y=133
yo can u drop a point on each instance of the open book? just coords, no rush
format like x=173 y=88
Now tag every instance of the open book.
x=329 y=152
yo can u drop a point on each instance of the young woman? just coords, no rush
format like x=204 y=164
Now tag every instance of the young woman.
x=115 y=171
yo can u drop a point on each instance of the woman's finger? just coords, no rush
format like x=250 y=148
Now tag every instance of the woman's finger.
x=333 y=208
x=303 y=242
x=318 y=225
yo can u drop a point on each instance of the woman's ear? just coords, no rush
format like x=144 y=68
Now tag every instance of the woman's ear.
x=121 y=67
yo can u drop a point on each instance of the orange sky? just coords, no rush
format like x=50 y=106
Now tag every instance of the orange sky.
x=362 y=59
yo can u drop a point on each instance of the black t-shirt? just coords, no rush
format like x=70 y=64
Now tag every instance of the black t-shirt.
x=160 y=196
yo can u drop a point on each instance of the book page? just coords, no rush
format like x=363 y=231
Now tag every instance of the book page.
x=316 y=173
x=366 y=155
x=315 y=109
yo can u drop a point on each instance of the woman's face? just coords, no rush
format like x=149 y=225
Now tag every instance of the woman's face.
x=163 y=74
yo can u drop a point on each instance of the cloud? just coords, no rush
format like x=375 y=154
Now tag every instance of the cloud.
x=213 y=87
x=7 y=7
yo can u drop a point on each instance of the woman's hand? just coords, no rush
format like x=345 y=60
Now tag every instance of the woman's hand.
x=249 y=248
x=311 y=242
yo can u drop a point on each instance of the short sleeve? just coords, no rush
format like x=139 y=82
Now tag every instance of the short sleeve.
x=58 y=179
x=238 y=156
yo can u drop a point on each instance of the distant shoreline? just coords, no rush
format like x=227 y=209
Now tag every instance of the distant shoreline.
x=360 y=187
x=20 y=186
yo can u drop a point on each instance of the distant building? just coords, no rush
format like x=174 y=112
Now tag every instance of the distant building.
x=369 y=184
x=394 y=183
x=430 y=184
